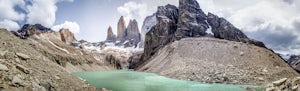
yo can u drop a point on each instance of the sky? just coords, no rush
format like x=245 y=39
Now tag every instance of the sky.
x=275 y=22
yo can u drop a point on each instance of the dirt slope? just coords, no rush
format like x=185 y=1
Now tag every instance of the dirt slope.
x=43 y=62
x=218 y=61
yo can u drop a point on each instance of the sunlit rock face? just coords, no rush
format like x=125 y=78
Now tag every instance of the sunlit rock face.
x=67 y=36
x=121 y=29
x=111 y=37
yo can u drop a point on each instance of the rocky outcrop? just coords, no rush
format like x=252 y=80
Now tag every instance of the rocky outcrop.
x=163 y=32
x=111 y=37
x=67 y=36
x=121 y=33
x=191 y=20
x=28 y=30
x=133 y=35
x=223 y=29
x=126 y=37
x=147 y=25
x=294 y=61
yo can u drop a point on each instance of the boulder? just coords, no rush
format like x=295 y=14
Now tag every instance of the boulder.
x=279 y=82
x=111 y=37
x=67 y=36
x=23 y=56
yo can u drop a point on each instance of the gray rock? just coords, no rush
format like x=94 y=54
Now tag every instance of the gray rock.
x=279 y=82
x=3 y=67
x=223 y=29
x=148 y=23
x=132 y=33
x=17 y=80
x=162 y=33
x=28 y=30
x=191 y=21
x=23 y=69
x=294 y=61
x=23 y=56
x=111 y=37
x=2 y=53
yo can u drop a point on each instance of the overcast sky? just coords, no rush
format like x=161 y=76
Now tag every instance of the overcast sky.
x=275 y=22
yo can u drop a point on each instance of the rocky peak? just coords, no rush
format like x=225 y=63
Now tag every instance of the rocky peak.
x=163 y=32
x=132 y=31
x=28 y=30
x=111 y=37
x=223 y=29
x=191 y=21
x=132 y=34
x=67 y=36
x=121 y=29
x=166 y=13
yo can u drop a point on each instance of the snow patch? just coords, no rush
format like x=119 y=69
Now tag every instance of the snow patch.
x=62 y=49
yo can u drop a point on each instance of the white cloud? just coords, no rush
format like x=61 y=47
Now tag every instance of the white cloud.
x=42 y=12
x=133 y=10
x=272 y=21
x=72 y=26
x=8 y=11
x=9 y=25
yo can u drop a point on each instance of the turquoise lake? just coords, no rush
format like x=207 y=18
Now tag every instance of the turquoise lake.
x=123 y=80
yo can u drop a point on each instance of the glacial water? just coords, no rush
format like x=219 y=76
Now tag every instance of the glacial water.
x=122 y=80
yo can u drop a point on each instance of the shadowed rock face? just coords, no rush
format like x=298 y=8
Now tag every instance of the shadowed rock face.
x=28 y=30
x=148 y=23
x=163 y=32
x=111 y=37
x=191 y=21
x=225 y=30
x=294 y=61
x=67 y=36
x=132 y=34
x=121 y=29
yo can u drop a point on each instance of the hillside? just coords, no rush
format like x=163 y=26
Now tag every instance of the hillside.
x=218 y=61
x=43 y=62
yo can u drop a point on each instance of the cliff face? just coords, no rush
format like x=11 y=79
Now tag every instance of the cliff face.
x=294 y=61
x=148 y=23
x=111 y=37
x=121 y=32
x=223 y=29
x=191 y=20
x=133 y=35
x=67 y=36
